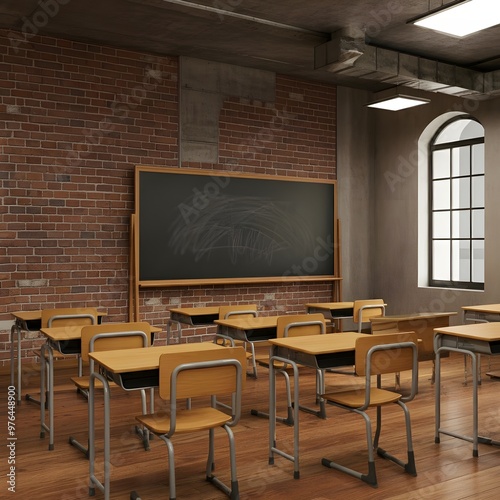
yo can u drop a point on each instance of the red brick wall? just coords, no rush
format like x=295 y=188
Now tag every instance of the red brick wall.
x=74 y=121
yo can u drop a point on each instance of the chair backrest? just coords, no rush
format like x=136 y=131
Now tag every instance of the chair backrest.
x=240 y=311
x=297 y=325
x=69 y=316
x=112 y=336
x=363 y=310
x=387 y=353
x=195 y=380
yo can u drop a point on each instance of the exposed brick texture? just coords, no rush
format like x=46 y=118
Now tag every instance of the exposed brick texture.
x=75 y=119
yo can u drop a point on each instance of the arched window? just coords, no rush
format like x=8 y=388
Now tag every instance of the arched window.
x=456 y=205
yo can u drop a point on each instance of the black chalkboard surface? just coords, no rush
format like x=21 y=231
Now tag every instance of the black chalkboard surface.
x=195 y=227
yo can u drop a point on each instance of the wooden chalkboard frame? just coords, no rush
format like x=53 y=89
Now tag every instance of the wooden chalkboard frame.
x=158 y=283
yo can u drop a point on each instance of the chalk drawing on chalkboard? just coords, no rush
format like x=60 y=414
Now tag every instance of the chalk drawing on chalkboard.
x=245 y=227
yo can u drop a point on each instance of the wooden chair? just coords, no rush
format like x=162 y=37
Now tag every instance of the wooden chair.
x=242 y=311
x=295 y=325
x=65 y=317
x=425 y=334
x=201 y=375
x=363 y=310
x=378 y=355
x=110 y=337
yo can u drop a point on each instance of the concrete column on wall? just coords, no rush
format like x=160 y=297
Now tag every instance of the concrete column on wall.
x=355 y=168
x=204 y=86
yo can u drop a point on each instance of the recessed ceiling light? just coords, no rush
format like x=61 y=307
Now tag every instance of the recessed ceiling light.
x=398 y=102
x=461 y=18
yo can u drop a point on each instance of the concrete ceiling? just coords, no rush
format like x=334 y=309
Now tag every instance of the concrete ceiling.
x=365 y=44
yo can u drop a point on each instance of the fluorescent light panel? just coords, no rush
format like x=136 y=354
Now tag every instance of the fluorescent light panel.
x=398 y=102
x=463 y=18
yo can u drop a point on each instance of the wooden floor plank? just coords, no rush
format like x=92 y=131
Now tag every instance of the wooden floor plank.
x=446 y=470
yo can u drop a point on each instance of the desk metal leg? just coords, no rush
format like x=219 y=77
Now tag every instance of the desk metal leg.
x=272 y=416
x=476 y=438
x=15 y=331
x=437 y=389
x=171 y=322
x=47 y=363
x=94 y=482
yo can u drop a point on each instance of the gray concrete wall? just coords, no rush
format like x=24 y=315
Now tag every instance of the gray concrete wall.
x=393 y=246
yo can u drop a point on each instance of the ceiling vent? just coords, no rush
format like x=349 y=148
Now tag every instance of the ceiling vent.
x=351 y=56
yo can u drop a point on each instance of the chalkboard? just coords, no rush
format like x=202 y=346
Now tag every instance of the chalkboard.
x=197 y=227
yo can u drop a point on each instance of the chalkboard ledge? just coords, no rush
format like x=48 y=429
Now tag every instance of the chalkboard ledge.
x=228 y=281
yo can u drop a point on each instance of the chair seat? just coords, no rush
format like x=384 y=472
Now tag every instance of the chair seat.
x=55 y=354
x=83 y=383
x=197 y=419
x=356 y=399
x=278 y=365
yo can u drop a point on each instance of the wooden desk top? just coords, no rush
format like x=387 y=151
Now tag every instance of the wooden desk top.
x=487 y=332
x=36 y=315
x=486 y=308
x=249 y=323
x=331 y=306
x=145 y=358
x=27 y=315
x=411 y=316
x=63 y=333
x=195 y=311
x=320 y=344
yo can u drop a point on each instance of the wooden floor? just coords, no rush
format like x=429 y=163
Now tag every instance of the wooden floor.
x=445 y=471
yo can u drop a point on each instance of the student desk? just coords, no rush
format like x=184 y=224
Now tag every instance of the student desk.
x=481 y=313
x=471 y=340
x=252 y=329
x=67 y=340
x=334 y=311
x=191 y=316
x=318 y=352
x=132 y=369
x=24 y=321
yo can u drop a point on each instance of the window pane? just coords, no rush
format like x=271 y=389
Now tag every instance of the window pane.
x=478 y=191
x=461 y=224
x=441 y=195
x=461 y=260
x=441 y=260
x=478 y=159
x=441 y=225
x=460 y=161
x=457 y=207
x=460 y=130
x=461 y=193
x=478 y=223
x=441 y=164
x=478 y=261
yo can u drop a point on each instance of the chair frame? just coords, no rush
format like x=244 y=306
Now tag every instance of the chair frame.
x=48 y=316
x=85 y=381
x=368 y=369
x=366 y=305
x=315 y=319
x=47 y=365
x=249 y=310
x=172 y=394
